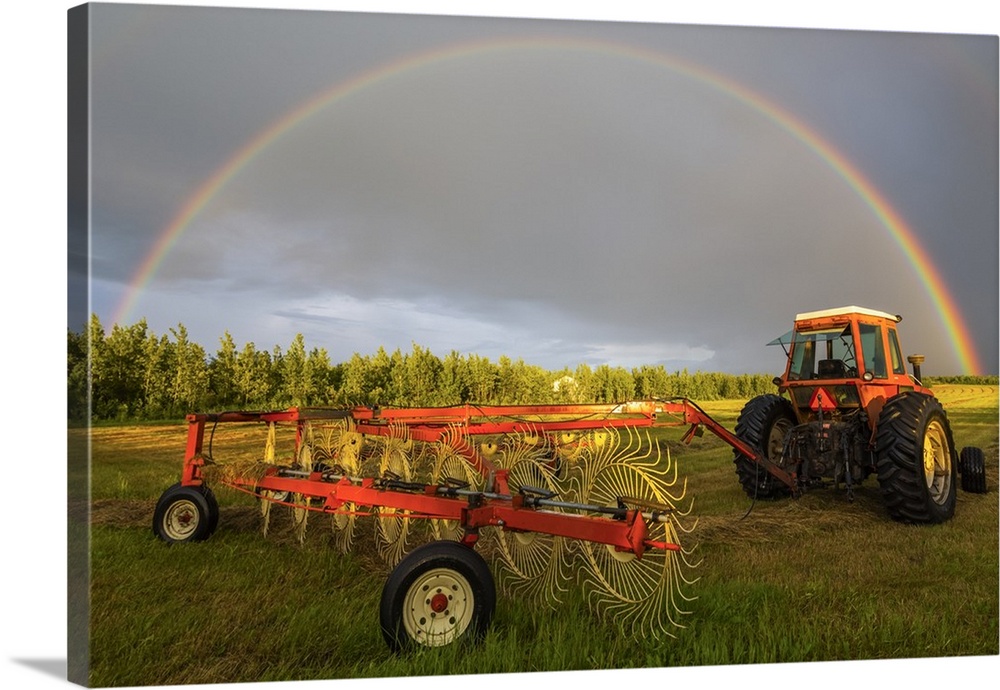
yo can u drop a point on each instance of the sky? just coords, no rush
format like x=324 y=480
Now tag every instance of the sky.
x=560 y=191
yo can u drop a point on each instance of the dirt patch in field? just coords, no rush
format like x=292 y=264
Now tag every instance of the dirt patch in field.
x=139 y=513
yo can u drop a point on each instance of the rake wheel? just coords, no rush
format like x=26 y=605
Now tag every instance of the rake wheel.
x=451 y=467
x=392 y=525
x=304 y=461
x=644 y=593
x=345 y=446
x=531 y=564
x=269 y=458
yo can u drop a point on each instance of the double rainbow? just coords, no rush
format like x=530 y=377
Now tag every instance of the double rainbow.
x=897 y=227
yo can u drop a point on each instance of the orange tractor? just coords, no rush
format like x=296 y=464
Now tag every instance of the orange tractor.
x=849 y=409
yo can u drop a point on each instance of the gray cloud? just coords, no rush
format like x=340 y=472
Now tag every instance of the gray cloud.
x=559 y=205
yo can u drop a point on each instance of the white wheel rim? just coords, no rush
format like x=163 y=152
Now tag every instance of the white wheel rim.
x=181 y=519
x=438 y=607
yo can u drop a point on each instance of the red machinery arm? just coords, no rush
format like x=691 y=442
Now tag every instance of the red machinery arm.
x=426 y=423
x=430 y=424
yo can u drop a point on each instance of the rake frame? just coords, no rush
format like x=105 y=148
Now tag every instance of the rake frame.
x=631 y=521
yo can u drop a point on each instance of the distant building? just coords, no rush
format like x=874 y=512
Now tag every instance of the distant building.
x=564 y=383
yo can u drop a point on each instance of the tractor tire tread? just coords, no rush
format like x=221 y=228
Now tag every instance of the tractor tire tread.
x=752 y=427
x=899 y=439
x=973 y=469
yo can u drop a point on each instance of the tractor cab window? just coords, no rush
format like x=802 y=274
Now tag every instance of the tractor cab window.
x=873 y=350
x=823 y=354
x=896 y=353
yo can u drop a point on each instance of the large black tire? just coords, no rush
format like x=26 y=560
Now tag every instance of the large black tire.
x=916 y=460
x=973 y=470
x=763 y=424
x=439 y=594
x=185 y=513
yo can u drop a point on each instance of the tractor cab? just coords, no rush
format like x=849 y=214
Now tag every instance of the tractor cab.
x=841 y=359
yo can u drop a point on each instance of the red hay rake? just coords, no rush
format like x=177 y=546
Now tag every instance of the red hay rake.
x=564 y=493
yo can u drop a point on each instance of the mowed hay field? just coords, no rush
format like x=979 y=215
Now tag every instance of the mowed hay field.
x=812 y=579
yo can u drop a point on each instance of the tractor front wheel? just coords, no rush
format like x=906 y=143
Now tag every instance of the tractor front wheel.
x=973 y=470
x=441 y=593
x=915 y=459
x=763 y=424
x=185 y=513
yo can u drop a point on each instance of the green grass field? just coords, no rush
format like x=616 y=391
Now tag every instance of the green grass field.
x=813 y=579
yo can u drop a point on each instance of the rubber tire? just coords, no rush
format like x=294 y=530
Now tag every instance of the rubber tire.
x=275 y=495
x=452 y=556
x=753 y=427
x=206 y=513
x=213 y=509
x=973 y=470
x=899 y=441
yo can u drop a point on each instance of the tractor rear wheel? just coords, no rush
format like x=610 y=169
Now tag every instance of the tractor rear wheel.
x=763 y=424
x=439 y=594
x=915 y=459
x=973 y=470
x=185 y=513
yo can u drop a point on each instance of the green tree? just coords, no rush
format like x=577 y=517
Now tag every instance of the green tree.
x=323 y=377
x=118 y=370
x=482 y=379
x=453 y=380
x=584 y=384
x=613 y=384
x=161 y=370
x=296 y=375
x=222 y=373
x=190 y=384
x=252 y=371
x=422 y=376
x=77 y=376
x=352 y=389
x=378 y=377
x=397 y=393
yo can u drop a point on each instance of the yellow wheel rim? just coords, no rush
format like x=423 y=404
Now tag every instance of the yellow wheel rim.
x=937 y=462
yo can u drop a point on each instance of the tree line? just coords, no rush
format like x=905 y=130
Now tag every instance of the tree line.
x=136 y=374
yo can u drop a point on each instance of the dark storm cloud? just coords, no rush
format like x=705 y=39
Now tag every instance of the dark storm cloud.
x=556 y=205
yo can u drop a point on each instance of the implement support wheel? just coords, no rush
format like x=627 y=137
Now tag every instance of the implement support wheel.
x=442 y=592
x=185 y=513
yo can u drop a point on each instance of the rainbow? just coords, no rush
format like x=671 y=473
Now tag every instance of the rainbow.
x=897 y=227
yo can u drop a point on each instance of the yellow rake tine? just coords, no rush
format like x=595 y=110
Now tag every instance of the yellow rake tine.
x=646 y=592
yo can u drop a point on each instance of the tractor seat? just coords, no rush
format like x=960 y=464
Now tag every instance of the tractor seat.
x=831 y=369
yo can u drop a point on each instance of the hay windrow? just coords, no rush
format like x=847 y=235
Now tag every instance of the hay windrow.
x=244 y=470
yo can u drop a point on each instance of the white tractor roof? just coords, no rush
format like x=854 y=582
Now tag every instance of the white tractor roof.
x=841 y=311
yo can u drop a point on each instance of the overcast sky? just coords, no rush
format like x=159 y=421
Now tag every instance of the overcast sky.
x=553 y=190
